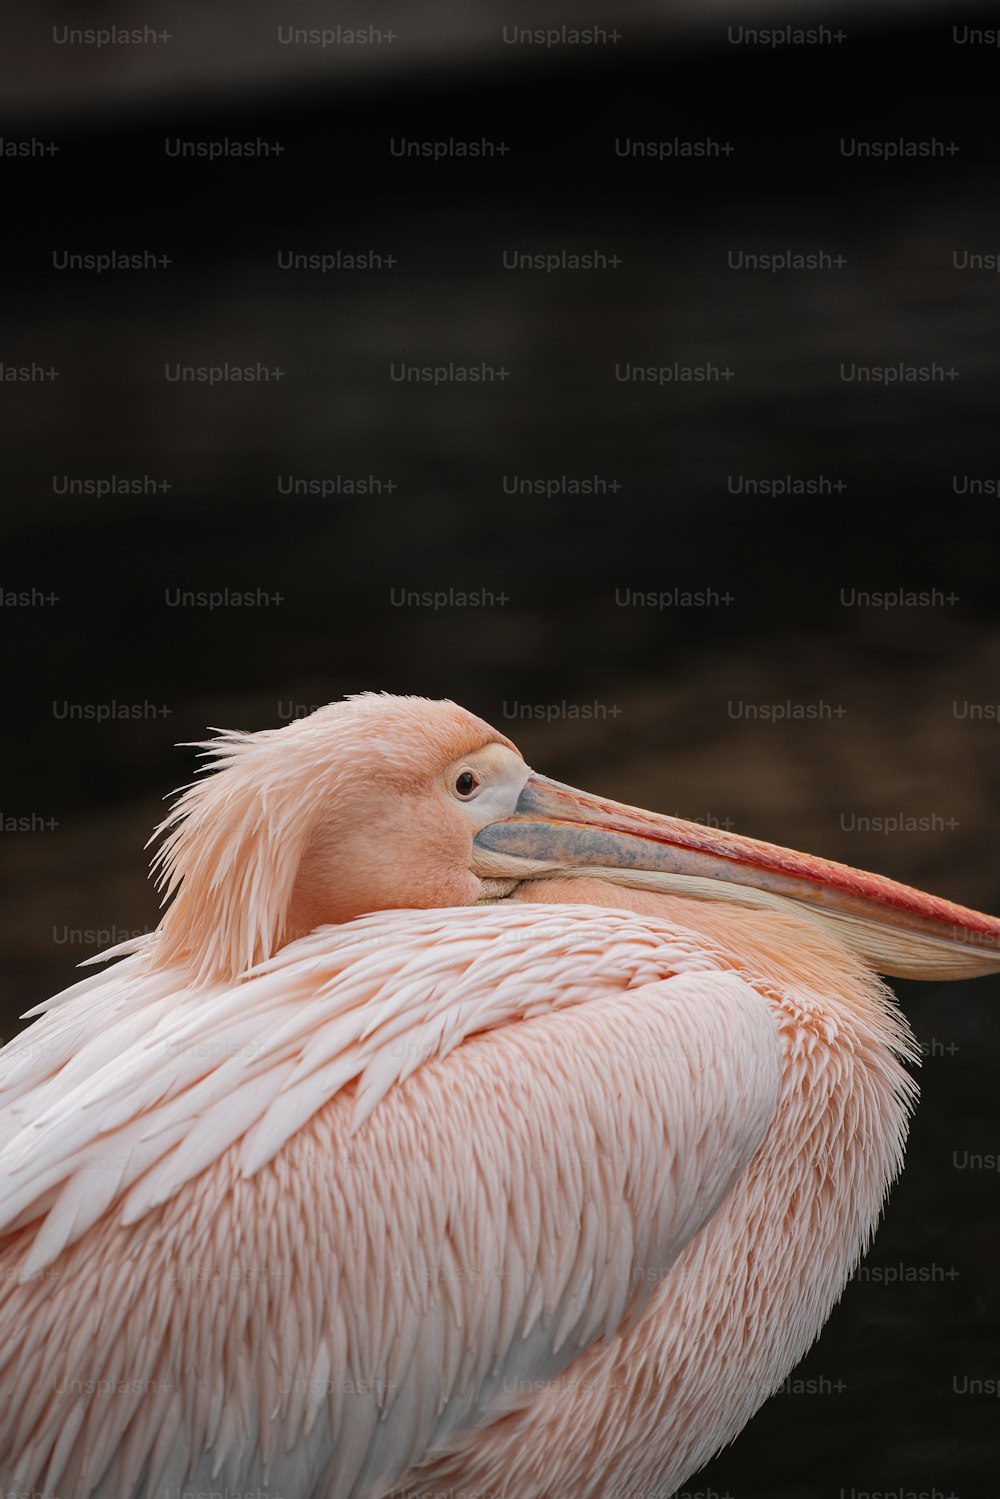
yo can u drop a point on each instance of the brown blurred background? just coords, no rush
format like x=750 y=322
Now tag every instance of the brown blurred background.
x=780 y=705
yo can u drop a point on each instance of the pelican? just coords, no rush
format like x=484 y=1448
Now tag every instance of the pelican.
x=455 y=1132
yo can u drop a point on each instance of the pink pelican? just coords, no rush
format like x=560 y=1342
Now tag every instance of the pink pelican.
x=456 y=1132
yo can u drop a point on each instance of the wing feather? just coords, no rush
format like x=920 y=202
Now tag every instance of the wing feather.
x=370 y=1198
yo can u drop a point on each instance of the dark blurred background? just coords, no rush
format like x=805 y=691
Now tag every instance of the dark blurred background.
x=761 y=511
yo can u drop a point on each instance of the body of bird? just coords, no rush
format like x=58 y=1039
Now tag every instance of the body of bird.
x=428 y=1148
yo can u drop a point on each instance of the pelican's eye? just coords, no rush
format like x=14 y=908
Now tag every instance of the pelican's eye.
x=466 y=784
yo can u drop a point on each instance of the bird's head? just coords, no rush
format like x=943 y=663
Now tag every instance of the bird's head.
x=368 y=804
x=380 y=802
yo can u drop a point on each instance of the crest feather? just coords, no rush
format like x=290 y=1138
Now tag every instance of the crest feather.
x=232 y=846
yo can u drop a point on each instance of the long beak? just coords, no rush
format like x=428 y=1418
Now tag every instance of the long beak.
x=557 y=830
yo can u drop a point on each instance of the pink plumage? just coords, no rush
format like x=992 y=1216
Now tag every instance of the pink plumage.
x=535 y=1179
